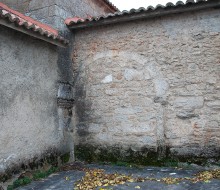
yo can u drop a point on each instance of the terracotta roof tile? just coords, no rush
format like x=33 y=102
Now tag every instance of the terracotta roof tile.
x=76 y=21
x=29 y=24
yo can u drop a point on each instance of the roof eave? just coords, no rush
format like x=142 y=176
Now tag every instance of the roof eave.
x=33 y=34
x=146 y=14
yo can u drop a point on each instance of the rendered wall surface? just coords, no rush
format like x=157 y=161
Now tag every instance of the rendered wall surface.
x=150 y=86
x=29 y=119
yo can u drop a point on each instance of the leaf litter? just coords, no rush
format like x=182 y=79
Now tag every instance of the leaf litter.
x=98 y=178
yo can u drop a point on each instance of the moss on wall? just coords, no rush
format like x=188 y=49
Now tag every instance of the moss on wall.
x=145 y=156
x=116 y=154
x=48 y=161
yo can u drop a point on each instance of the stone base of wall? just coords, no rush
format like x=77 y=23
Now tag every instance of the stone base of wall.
x=146 y=155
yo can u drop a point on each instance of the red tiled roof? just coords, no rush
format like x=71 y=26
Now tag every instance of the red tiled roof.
x=78 y=22
x=29 y=24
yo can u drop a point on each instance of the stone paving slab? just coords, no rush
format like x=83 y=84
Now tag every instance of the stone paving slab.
x=58 y=181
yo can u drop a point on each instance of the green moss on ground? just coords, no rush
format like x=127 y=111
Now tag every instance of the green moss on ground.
x=37 y=175
x=51 y=160
x=65 y=158
x=19 y=182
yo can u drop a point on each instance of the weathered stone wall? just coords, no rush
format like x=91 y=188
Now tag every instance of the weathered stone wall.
x=19 y=5
x=149 y=87
x=30 y=125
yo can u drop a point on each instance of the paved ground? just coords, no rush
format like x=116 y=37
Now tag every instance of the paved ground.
x=58 y=181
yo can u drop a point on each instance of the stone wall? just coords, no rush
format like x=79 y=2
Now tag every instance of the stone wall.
x=149 y=88
x=30 y=122
x=19 y=5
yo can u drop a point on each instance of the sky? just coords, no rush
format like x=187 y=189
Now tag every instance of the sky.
x=129 y=4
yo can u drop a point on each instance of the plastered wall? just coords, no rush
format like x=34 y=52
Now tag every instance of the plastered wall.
x=29 y=116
